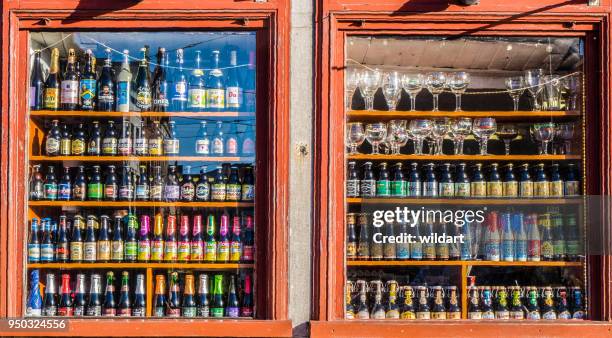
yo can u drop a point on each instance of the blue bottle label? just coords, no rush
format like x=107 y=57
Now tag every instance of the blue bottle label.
x=88 y=93
x=413 y=188
x=123 y=95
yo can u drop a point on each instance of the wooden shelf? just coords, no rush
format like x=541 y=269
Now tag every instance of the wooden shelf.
x=459 y=263
x=141 y=159
x=466 y=201
x=413 y=157
x=94 y=114
x=140 y=204
x=207 y=266
x=369 y=115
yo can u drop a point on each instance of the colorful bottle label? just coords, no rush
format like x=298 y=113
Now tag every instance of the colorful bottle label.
x=215 y=98
x=248 y=192
x=34 y=253
x=51 y=98
x=210 y=253
x=494 y=189
x=104 y=250
x=171 y=146
x=197 y=98
x=171 y=251
x=78 y=147
x=233 y=97
x=413 y=189
x=462 y=189
x=398 y=188
x=131 y=250
x=541 y=189
x=446 y=189
x=203 y=146
x=143 y=97
x=510 y=189
x=197 y=251
x=88 y=93
x=368 y=188
x=556 y=189
x=479 y=189
x=69 y=93
x=233 y=192
x=571 y=188
x=223 y=251
x=123 y=96
x=157 y=250
x=156 y=147
x=184 y=249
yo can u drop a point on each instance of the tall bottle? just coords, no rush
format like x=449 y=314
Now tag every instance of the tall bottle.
x=141 y=143
x=533 y=238
x=157 y=242
x=80 y=300
x=142 y=186
x=65 y=308
x=507 y=238
x=37 y=84
x=109 y=308
x=533 y=308
x=125 y=145
x=383 y=184
x=203 y=301
x=217 y=307
x=524 y=181
x=94 y=304
x=53 y=139
x=235 y=249
x=94 y=143
x=184 y=243
x=210 y=251
x=520 y=237
x=197 y=241
x=218 y=141
x=51 y=93
x=139 y=307
x=106 y=86
x=408 y=310
x=62 y=247
x=69 y=95
x=233 y=91
x=446 y=186
x=130 y=245
x=117 y=249
x=462 y=182
x=144 y=242
x=179 y=92
x=104 y=242
x=64 y=187
x=142 y=85
x=197 y=90
x=34 y=242
x=159 y=300
x=88 y=83
x=223 y=244
x=171 y=143
x=492 y=238
x=189 y=306
x=156 y=140
x=215 y=86
x=126 y=187
x=218 y=189
x=246 y=308
x=124 y=84
x=50 y=301
x=65 y=141
x=160 y=100
x=541 y=183
x=423 y=310
x=202 y=192
x=250 y=82
x=173 y=307
x=430 y=184
x=109 y=141
x=368 y=182
x=233 y=306
x=172 y=190
x=171 y=246
x=438 y=311
x=202 y=144
x=36 y=185
x=90 y=245
x=352 y=180
x=392 y=308
x=125 y=302
x=546 y=239
x=248 y=250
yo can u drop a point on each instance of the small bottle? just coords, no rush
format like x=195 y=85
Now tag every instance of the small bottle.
x=50 y=186
x=156 y=191
x=408 y=310
x=202 y=190
x=487 y=303
x=378 y=310
x=533 y=309
x=217 y=307
x=246 y=308
x=34 y=243
x=392 y=308
x=142 y=186
x=141 y=143
x=139 y=307
x=62 y=247
x=203 y=301
x=352 y=181
x=197 y=90
x=231 y=141
x=189 y=306
x=51 y=92
x=438 y=311
x=362 y=306
x=64 y=187
x=210 y=251
x=494 y=184
x=571 y=185
x=556 y=183
x=37 y=191
x=202 y=144
x=423 y=311
x=125 y=302
x=65 y=308
x=53 y=139
x=117 y=250
x=383 y=184
x=218 y=141
x=516 y=306
x=171 y=246
x=94 y=304
x=233 y=306
x=478 y=185
x=453 y=311
x=233 y=90
x=37 y=85
x=248 y=249
x=125 y=146
x=219 y=187
x=171 y=143
x=90 y=245
x=248 y=185
x=159 y=300
x=430 y=184
x=142 y=85
x=124 y=84
x=173 y=307
x=104 y=242
x=94 y=143
x=110 y=184
x=233 y=187
x=172 y=190
x=126 y=187
x=144 y=242
x=65 y=141
x=474 y=311
x=462 y=182
x=79 y=139
x=541 y=184
x=446 y=186
x=351 y=237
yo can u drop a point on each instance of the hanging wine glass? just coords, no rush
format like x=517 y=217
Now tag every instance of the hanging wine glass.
x=515 y=86
x=420 y=128
x=355 y=136
x=376 y=133
x=412 y=84
x=369 y=84
x=351 y=82
x=533 y=80
x=483 y=128
x=458 y=83
x=392 y=88
x=436 y=82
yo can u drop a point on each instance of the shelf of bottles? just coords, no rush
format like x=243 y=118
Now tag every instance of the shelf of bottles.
x=463 y=190
x=142 y=175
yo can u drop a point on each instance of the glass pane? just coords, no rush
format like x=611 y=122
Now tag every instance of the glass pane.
x=142 y=159
x=463 y=175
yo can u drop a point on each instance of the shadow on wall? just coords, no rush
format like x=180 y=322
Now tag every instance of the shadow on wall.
x=89 y=9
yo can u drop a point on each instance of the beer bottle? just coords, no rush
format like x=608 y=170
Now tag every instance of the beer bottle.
x=246 y=307
x=117 y=249
x=235 y=246
x=487 y=303
x=248 y=250
x=402 y=249
x=383 y=184
x=202 y=144
x=139 y=307
x=492 y=239
x=219 y=186
x=389 y=249
x=47 y=249
x=171 y=143
x=184 y=243
x=196 y=246
x=159 y=302
x=577 y=307
x=94 y=305
x=349 y=309
x=525 y=184
x=65 y=141
x=69 y=94
x=130 y=245
x=53 y=139
x=507 y=238
x=187 y=186
x=106 y=86
x=231 y=141
x=157 y=242
x=363 y=243
x=126 y=188
x=37 y=191
x=109 y=141
x=173 y=308
x=90 y=246
x=109 y=307
x=34 y=243
x=142 y=186
x=171 y=246
x=203 y=303
x=233 y=91
x=104 y=243
x=50 y=301
x=430 y=184
x=94 y=144
x=351 y=236
x=541 y=184
x=247 y=143
x=422 y=311
x=160 y=83
x=157 y=185
x=571 y=185
x=378 y=310
x=65 y=305
x=362 y=306
x=392 y=308
x=124 y=143
x=110 y=184
x=249 y=84
x=572 y=238
x=79 y=188
x=62 y=249
x=80 y=302
x=223 y=243
x=474 y=311
x=429 y=248
x=234 y=189
x=50 y=186
x=413 y=186
x=352 y=181
x=368 y=183
x=510 y=184
x=556 y=226
x=494 y=184
x=248 y=185
x=453 y=310
x=233 y=306
x=562 y=308
x=124 y=84
x=478 y=185
x=141 y=143
x=516 y=305
x=446 y=186
x=51 y=94
x=466 y=248
x=88 y=83
x=556 y=183
x=215 y=86
x=442 y=247
x=172 y=190
x=462 y=182
x=408 y=311
x=533 y=309
x=37 y=84
x=217 y=308
x=548 y=304
x=94 y=186
x=438 y=311
x=202 y=189
x=546 y=241
x=78 y=141
x=125 y=303
x=179 y=92
x=142 y=85
x=501 y=310
x=197 y=90
x=144 y=242
x=188 y=307
x=210 y=252
x=218 y=141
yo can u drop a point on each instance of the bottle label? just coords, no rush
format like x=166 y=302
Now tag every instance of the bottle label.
x=550 y=315
x=516 y=315
x=144 y=250
x=423 y=315
x=572 y=247
x=124 y=146
x=124 y=312
x=235 y=251
x=171 y=146
x=197 y=251
x=416 y=251
x=126 y=192
x=156 y=192
x=547 y=248
x=123 y=96
x=65 y=147
x=33 y=253
x=104 y=250
x=157 y=250
x=172 y=192
x=106 y=95
x=429 y=251
x=69 y=93
x=408 y=315
x=351 y=250
x=447 y=189
x=110 y=191
x=502 y=315
x=203 y=146
x=438 y=315
x=51 y=98
x=184 y=249
x=139 y=312
x=170 y=251
x=197 y=98
x=564 y=315
x=65 y=311
x=189 y=312
x=233 y=192
x=533 y=315
x=50 y=191
x=233 y=97
x=216 y=312
x=88 y=93
x=492 y=250
x=233 y=312
x=571 y=188
x=352 y=188
x=248 y=192
x=62 y=251
x=203 y=311
x=453 y=315
x=89 y=251
x=156 y=147
x=223 y=253
x=541 y=189
x=47 y=253
x=479 y=189
x=368 y=188
x=94 y=190
x=217 y=147
x=430 y=189
x=140 y=146
x=462 y=189
x=475 y=315
x=218 y=191
x=159 y=312
x=79 y=310
x=488 y=315
x=521 y=250
x=109 y=312
x=248 y=146
x=579 y=314
x=131 y=250
x=94 y=311
x=187 y=192
x=510 y=189
x=248 y=253
x=556 y=189
x=117 y=250
x=180 y=91
x=383 y=188
x=78 y=147
x=495 y=189
x=533 y=250
x=143 y=97
x=52 y=145
x=203 y=192
x=215 y=98
x=64 y=191
x=109 y=146
x=232 y=146
x=210 y=253
x=403 y=250
x=398 y=188
x=413 y=188
x=507 y=250
x=93 y=147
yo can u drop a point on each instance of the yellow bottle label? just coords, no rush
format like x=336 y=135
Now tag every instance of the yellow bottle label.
x=479 y=189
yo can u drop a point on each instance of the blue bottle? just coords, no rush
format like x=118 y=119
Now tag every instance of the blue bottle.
x=571 y=184
x=462 y=182
x=47 y=250
x=446 y=186
x=34 y=303
x=507 y=238
x=430 y=184
x=541 y=184
x=413 y=186
x=34 y=243
x=466 y=246
x=520 y=237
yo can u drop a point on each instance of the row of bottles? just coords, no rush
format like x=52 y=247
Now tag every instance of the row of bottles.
x=224 y=238
x=227 y=183
x=529 y=181
x=169 y=88
x=506 y=236
x=143 y=140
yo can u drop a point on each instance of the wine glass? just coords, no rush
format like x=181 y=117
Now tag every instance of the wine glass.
x=392 y=88
x=565 y=132
x=545 y=133
x=461 y=128
x=533 y=80
x=435 y=83
x=552 y=91
x=375 y=134
x=412 y=84
x=515 y=86
x=441 y=126
x=458 y=83
x=397 y=136
x=369 y=84
x=351 y=82
x=420 y=128
x=355 y=136
x=507 y=133
x=572 y=85
x=483 y=128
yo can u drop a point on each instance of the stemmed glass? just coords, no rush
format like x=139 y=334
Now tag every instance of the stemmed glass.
x=420 y=128
x=565 y=132
x=369 y=84
x=392 y=88
x=461 y=128
x=545 y=133
x=375 y=134
x=397 y=136
x=515 y=86
x=507 y=133
x=484 y=128
x=573 y=86
x=355 y=135
x=412 y=84
x=458 y=83
x=435 y=83
x=353 y=77
x=533 y=80
x=552 y=91
x=441 y=127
